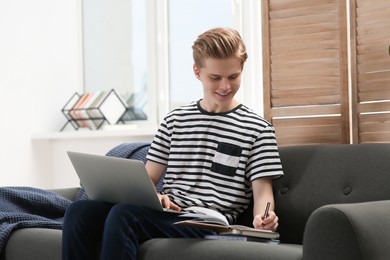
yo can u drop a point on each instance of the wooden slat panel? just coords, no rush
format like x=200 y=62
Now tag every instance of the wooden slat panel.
x=304 y=92
x=374 y=138
x=375 y=128
x=307 y=140
x=304 y=20
x=291 y=9
x=375 y=119
x=373 y=107
x=380 y=85
x=379 y=53
x=286 y=4
x=377 y=66
x=307 y=72
x=316 y=37
x=296 y=82
x=365 y=9
x=307 y=121
x=301 y=101
x=306 y=111
x=310 y=64
x=294 y=131
x=379 y=47
x=310 y=130
x=368 y=4
x=374 y=95
x=373 y=77
x=303 y=29
x=371 y=71
x=363 y=39
x=296 y=55
x=306 y=75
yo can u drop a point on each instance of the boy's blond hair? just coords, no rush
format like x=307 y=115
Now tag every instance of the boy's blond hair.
x=219 y=43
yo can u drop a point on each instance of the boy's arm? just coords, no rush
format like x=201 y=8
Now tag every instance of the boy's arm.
x=155 y=170
x=263 y=193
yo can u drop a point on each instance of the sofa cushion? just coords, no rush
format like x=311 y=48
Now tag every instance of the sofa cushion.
x=195 y=249
x=33 y=244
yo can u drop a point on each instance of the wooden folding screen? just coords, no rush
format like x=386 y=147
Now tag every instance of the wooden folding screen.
x=305 y=63
x=370 y=40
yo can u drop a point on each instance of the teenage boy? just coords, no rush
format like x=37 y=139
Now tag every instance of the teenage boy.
x=215 y=153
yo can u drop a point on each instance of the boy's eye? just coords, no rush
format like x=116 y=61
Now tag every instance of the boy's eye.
x=216 y=78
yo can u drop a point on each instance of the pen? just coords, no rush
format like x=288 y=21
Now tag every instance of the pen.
x=266 y=210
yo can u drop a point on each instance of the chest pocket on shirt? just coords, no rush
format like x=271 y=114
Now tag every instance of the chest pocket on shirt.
x=226 y=159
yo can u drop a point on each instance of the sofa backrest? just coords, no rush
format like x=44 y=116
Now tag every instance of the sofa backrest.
x=317 y=175
x=314 y=175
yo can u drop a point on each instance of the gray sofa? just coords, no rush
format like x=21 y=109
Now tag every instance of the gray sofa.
x=333 y=203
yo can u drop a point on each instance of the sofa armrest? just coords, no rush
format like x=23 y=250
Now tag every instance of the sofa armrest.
x=348 y=231
x=69 y=193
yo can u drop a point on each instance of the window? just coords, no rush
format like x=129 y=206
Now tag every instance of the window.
x=188 y=19
x=115 y=51
x=173 y=64
x=138 y=46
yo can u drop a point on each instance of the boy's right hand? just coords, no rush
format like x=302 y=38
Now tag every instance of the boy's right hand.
x=167 y=203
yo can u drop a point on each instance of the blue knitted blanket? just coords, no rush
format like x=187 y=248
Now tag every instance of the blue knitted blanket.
x=22 y=207
x=27 y=207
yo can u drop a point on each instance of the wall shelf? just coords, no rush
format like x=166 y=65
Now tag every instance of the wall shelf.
x=120 y=131
x=93 y=110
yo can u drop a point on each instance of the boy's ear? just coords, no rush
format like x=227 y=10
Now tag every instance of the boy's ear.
x=196 y=71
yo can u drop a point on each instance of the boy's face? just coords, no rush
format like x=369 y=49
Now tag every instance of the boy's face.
x=221 y=79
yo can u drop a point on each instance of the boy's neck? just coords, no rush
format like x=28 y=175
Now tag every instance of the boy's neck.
x=217 y=108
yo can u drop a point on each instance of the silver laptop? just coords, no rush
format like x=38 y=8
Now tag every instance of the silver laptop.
x=115 y=180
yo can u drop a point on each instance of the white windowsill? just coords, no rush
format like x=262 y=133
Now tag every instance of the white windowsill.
x=83 y=134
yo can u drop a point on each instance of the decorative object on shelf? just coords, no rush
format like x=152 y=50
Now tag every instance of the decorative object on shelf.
x=92 y=110
x=136 y=103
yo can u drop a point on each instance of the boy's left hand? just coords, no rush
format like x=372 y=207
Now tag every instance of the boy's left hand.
x=269 y=223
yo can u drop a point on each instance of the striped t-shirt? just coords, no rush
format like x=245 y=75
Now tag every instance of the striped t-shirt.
x=212 y=158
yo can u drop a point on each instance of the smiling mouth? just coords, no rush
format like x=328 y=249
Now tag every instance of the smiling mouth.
x=222 y=94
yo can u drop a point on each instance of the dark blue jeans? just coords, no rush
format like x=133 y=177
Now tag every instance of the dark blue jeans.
x=92 y=229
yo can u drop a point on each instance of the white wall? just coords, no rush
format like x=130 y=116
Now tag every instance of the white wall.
x=52 y=157
x=39 y=70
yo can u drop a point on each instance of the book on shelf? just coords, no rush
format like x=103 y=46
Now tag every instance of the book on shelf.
x=89 y=121
x=74 y=113
x=93 y=110
x=81 y=113
x=208 y=218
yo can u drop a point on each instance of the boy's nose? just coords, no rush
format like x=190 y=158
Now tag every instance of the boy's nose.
x=225 y=84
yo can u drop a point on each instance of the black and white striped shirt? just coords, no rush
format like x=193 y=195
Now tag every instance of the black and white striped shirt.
x=212 y=158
